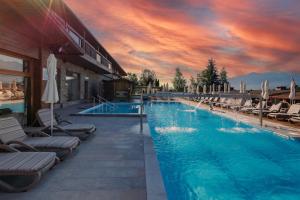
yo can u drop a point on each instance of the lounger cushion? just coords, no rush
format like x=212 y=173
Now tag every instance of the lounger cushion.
x=79 y=127
x=44 y=117
x=25 y=163
x=295 y=119
x=57 y=142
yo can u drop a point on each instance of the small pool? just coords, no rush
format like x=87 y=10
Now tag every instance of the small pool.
x=113 y=109
x=205 y=156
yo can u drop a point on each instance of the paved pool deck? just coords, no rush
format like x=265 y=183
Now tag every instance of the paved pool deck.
x=118 y=162
x=284 y=129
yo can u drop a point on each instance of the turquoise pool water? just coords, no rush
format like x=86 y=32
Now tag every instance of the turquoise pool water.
x=15 y=107
x=115 y=108
x=205 y=156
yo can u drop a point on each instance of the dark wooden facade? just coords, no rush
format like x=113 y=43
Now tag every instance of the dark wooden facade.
x=120 y=89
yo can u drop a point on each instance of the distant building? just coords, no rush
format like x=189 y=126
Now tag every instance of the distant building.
x=279 y=88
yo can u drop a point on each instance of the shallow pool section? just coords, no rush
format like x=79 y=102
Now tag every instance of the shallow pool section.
x=113 y=109
x=206 y=156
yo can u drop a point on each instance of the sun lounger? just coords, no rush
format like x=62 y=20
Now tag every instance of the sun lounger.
x=228 y=103
x=275 y=108
x=20 y=171
x=11 y=133
x=246 y=104
x=250 y=109
x=203 y=99
x=215 y=100
x=72 y=129
x=293 y=111
x=234 y=103
x=295 y=119
x=208 y=100
x=221 y=101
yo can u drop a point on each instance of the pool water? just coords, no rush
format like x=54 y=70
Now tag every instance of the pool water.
x=15 y=107
x=206 y=156
x=115 y=108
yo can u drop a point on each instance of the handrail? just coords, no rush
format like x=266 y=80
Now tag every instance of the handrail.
x=141 y=112
x=108 y=105
x=83 y=41
x=106 y=101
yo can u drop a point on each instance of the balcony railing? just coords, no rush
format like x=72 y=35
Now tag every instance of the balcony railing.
x=82 y=43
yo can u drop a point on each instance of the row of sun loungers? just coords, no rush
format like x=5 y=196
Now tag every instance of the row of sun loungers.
x=25 y=157
x=277 y=111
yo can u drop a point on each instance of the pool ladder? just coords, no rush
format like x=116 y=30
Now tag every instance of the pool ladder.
x=109 y=106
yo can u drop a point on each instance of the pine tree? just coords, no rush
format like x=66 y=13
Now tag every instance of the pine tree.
x=179 y=82
x=223 y=76
x=209 y=75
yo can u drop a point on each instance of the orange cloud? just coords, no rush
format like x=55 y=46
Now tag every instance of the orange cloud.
x=244 y=36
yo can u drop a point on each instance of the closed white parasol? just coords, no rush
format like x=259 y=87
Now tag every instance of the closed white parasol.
x=50 y=94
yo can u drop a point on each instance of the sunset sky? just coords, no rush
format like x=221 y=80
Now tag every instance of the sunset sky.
x=243 y=36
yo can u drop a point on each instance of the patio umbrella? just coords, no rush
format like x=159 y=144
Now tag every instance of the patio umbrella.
x=292 y=95
x=204 y=89
x=14 y=85
x=210 y=89
x=197 y=89
x=262 y=86
x=219 y=88
x=266 y=88
x=213 y=89
x=184 y=89
x=225 y=87
x=167 y=87
x=50 y=94
x=241 y=87
x=244 y=87
x=228 y=87
x=149 y=88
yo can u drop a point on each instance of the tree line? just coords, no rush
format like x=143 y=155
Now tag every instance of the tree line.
x=147 y=76
x=208 y=76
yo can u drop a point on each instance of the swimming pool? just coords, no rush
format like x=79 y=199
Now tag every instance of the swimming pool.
x=15 y=107
x=206 y=156
x=114 y=109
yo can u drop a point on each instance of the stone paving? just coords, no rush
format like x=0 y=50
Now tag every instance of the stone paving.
x=109 y=166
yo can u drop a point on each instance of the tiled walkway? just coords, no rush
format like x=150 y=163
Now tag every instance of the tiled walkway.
x=109 y=165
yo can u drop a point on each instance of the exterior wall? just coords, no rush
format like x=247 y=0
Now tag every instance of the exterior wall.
x=94 y=81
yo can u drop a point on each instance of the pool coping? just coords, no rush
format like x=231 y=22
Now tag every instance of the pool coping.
x=279 y=129
x=154 y=182
x=108 y=114
x=83 y=112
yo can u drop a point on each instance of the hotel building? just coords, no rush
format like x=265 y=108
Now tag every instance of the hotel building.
x=30 y=31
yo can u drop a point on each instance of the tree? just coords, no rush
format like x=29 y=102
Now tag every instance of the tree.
x=223 y=76
x=133 y=78
x=210 y=75
x=179 y=82
x=147 y=76
x=193 y=82
x=156 y=83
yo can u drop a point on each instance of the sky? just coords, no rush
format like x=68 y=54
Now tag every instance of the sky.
x=243 y=36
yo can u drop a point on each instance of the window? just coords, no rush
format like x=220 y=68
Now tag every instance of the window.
x=12 y=93
x=13 y=64
x=13 y=85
